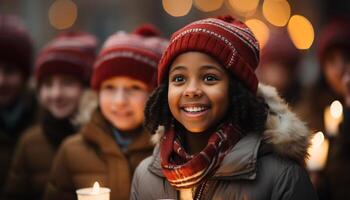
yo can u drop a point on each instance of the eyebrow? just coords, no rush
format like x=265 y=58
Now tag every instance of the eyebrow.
x=179 y=67
x=206 y=67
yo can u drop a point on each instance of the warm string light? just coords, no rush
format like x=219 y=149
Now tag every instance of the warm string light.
x=276 y=12
x=208 y=5
x=333 y=116
x=260 y=30
x=63 y=14
x=244 y=8
x=301 y=32
x=177 y=8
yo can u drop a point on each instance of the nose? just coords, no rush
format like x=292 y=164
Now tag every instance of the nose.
x=193 y=90
x=120 y=96
x=56 y=90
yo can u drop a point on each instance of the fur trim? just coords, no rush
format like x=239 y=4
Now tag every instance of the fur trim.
x=287 y=134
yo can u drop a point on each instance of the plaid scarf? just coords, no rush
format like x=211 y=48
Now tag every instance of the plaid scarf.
x=186 y=171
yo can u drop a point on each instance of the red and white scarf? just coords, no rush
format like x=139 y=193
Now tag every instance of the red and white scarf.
x=186 y=171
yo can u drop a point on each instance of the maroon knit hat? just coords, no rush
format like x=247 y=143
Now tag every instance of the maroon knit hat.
x=226 y=39
x=135 y=55
x=15 y=44
x=70 y=53
x=335 y=34
x=280 y=48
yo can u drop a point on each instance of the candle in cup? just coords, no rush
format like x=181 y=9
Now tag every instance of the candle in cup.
x=333 y=115
x=318 y=152
x=94 y=193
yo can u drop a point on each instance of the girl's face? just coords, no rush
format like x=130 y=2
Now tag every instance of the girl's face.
x=60 y=95
x=198 y=91
x=122 y=101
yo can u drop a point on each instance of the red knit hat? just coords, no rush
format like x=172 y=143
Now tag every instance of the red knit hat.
x=280 y=48
x=226 y=39
x=135 y=55
x=15 y=44
x=70 y=53
x=335 y=34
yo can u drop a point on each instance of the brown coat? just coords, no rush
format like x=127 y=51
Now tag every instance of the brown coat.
x=31 y=165
x=26 y=113
x=93 y=155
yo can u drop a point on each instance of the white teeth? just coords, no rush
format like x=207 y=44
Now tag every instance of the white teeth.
x=194 y=109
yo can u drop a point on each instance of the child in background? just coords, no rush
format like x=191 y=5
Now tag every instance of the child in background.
x=110 y=146
x=222 y=135
x=18 y=106
x=62 y=71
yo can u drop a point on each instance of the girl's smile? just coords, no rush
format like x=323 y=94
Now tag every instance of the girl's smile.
x=198 y=88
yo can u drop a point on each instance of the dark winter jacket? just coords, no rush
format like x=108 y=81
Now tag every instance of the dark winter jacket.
x=260 y=166
x=93 y=155
x=23 y=114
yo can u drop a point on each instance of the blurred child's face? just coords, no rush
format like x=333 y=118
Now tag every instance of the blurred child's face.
x=333 y=69
x=60 y=95
x=11 y=84
x=198 y=91
x=122 y=101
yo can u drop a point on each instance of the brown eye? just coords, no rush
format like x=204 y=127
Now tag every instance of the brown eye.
x=210 y=78
x=178 y=79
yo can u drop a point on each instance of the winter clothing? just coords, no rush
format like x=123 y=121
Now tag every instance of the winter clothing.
x=226 y=39
x=335 y=34
x=16 y=47
x=33 y=158
x=200 y=166
x=260 y=166
x=93 y=155
x=70 y=53
x=35 y=152
x=13 y=121
x=280 y=48
x=135 y=55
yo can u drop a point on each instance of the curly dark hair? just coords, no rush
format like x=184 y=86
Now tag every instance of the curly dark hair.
x=246 y=110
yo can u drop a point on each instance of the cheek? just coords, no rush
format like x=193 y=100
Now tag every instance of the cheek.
x=74 y=93
x=43 y=96
x=138 y=105
x=105 y=101
x=174 y=95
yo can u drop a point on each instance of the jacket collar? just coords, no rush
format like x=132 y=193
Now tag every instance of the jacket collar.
x=99 y=132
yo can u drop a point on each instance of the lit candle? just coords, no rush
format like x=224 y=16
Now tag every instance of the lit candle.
x=333 y=115
x=94 y=193
x=318 y=152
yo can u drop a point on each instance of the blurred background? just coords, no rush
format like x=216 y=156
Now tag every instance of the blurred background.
x=303 y=19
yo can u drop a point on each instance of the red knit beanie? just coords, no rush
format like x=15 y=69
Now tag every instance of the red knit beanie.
x=335 y=34
x=70 y=53
x=226 y=39
x=280 y=48
x=16 y=46
x=135 y=55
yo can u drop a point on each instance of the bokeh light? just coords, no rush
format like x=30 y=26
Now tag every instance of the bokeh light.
x=336 y=109
x=244 y=7
x=277 y=12
x=177 y=8
x=260 y=30
x=208 y=5
x=63 y=14
x=301 y=32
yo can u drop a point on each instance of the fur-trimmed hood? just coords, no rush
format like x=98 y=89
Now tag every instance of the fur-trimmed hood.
x=285 y=132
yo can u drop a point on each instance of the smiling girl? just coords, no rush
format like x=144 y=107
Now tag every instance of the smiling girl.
x=219 y=134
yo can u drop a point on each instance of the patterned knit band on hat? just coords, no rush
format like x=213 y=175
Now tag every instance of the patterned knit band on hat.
x=226 y=39
x=16 y=47
x=135 y=55
x=70 y=53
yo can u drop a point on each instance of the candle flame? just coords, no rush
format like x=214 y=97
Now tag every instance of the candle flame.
x=96 y=188
x=336 y=109
x=318 y=139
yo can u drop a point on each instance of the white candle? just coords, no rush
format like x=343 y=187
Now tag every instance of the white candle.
x=318 y=152
x=94 y=193
x=333 y=116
